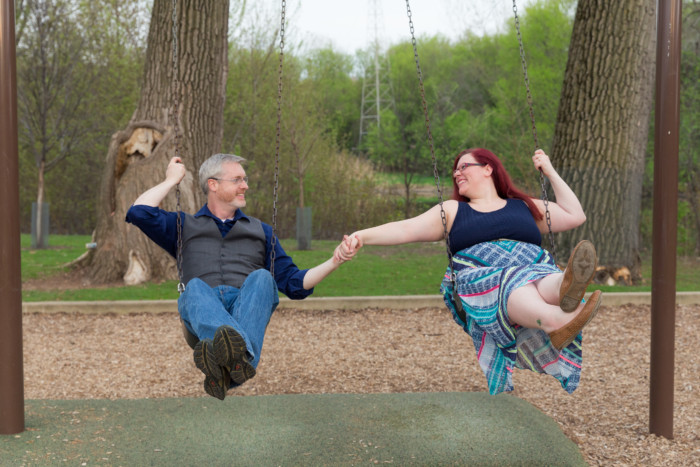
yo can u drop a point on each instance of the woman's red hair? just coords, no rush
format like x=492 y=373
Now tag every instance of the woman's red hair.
x=504 y=185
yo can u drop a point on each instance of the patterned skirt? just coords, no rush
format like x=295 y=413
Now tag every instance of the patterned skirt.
x=486 y=275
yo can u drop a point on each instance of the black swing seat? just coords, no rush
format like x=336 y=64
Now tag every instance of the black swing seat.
x=190 y=338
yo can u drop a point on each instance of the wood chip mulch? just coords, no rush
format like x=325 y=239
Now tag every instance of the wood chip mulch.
x=92 y=356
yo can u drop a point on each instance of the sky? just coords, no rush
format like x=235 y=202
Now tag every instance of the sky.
x=348 y=25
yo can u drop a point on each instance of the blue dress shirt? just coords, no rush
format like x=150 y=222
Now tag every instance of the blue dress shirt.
x=161 y=227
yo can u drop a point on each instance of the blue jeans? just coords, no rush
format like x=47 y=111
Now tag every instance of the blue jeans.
x=248 y=309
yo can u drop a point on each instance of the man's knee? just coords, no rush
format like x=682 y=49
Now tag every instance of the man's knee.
x=261 y=278
x=196 y=285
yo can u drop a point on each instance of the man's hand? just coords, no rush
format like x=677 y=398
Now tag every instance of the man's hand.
x=173 y=175
x=347 y=249
x=175 y=171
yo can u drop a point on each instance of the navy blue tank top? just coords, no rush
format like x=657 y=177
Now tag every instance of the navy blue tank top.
x=513 y=222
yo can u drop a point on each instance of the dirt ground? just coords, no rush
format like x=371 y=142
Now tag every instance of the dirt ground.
x=80 y=356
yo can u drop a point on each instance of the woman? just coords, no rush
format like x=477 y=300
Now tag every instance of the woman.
x=521 y=310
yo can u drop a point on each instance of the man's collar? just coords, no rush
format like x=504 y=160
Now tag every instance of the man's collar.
x=204 y=211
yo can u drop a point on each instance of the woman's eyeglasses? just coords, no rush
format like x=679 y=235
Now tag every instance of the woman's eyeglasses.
x=466 y=165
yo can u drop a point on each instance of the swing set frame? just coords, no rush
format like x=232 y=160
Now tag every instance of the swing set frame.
x=664 y=238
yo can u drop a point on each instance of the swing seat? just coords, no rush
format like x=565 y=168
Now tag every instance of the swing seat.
x=190 y=338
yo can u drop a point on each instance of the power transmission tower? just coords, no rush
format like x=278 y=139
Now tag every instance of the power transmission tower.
x=376 y=83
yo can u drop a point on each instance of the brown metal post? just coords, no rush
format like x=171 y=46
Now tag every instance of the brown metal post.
x=11 y=370
x=663 y=281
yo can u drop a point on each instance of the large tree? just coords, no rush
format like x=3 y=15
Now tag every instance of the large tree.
x=308 y=132
x=138 y=154
x=602 y=126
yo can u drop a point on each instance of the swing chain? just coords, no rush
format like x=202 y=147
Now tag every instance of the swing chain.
x=523 y=61
x=175 y=119
x=277 y=144
x=548 y=217
x=427 y=127
x=453 y=276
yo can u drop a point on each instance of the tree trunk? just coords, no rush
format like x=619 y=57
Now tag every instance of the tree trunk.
x=602 y=127
x=40 y=240
x=138 y=155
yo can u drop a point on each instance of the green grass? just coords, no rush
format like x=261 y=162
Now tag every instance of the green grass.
x=400 y=270
x=37 y=264
x=164 y=291
x=687 y=276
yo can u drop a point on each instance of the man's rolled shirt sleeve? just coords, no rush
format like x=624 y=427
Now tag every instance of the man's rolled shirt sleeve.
x=158 y=225
x=289 y=278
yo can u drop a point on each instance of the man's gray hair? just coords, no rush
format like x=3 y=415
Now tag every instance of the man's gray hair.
x=212 y=168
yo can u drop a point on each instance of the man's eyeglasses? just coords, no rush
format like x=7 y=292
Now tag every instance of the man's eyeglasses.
x=235 y=181
x=466 y=165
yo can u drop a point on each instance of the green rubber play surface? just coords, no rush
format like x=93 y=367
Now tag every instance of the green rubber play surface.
x=307 y=429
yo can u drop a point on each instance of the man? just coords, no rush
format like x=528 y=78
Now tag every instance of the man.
x=229 y=292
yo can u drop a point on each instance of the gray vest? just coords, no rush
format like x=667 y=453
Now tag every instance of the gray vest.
x=221 y=261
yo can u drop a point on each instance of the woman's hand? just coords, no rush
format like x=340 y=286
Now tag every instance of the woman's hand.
x=347 y=249
x=567 y=212
x=542 y=162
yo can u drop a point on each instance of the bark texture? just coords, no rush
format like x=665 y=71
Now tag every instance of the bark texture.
x=603 y=123
x=139 y=154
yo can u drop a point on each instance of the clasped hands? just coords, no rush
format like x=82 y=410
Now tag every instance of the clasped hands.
x=347 y=249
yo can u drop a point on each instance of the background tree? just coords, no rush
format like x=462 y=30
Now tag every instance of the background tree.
x=251 y=111
x=55 y=79
x=21 y=18
x=339 y=186
x=304 y=129
x=474 y=90
x=338 y=93
x=78 y=63
x=138 y=155
x=602 y=125
x=387 y=147
x=400 y=145
x=476 y=98
x=494 y=113
x=689 y=203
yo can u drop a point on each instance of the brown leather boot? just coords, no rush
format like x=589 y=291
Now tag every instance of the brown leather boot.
x=578 y=274
x=567 y=333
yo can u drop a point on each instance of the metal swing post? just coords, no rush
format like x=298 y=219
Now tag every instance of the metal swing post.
x=11 y=369
x=665 y=212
